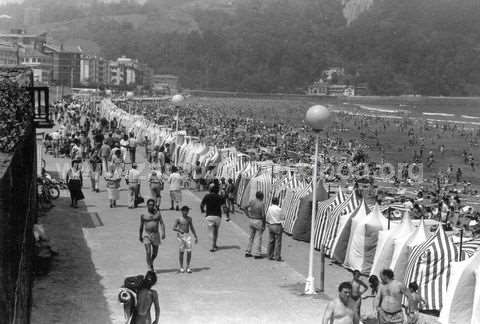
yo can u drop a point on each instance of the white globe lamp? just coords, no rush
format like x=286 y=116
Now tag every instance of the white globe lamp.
x=317 y=117
x=177 y=100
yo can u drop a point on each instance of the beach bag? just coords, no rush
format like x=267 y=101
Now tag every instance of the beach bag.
x=140 y=200
x=133 y=283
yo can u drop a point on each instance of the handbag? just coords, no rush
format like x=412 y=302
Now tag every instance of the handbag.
x=140 y=200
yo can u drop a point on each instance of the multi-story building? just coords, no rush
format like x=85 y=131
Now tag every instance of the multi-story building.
x=66 y=64
x=123 y=72
x=102 y=71
x=165 y=84
x=9 y=54
x=20 y=37
x=321 y=88
x=41 y=64
x=144 y=75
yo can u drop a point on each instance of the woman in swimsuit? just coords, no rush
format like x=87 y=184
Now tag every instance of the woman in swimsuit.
x=146 y=296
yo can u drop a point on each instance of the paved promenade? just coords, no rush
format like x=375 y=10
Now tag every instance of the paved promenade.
x=98 y=247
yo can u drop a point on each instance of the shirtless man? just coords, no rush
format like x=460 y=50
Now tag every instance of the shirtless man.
x=149 y=234
x=182 y=226
x=358 y=289
x=341 y=310
x=145 y=298
x=390 y=295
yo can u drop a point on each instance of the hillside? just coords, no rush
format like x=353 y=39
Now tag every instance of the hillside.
x=396 y=47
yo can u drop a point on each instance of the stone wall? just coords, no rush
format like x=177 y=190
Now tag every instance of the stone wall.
x=17 y=195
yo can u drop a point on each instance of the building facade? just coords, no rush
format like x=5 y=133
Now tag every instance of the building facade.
x=41 y=65
x=66 y=65
x=165 y=84
x=9 y=54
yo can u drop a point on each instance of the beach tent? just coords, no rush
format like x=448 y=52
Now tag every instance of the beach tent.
x=246 y=176
x=461 y=293
x=363 y=240
x=429 y=266
x=402 y=245
x=339 y=250
x=262 y=182
x=302 y=226
x=336 y=220
x=476 y=298
x=386 y=243
x=291 y=205
x=469 y=248
x=322 y=216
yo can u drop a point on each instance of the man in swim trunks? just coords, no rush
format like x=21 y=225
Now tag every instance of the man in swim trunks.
x=341 y=310
x=182 y=226
x=146 y=297
x=149 y=234
x=390 y=296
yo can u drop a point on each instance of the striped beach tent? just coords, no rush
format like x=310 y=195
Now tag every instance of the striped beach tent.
x=462 y=297
x=277 y=185
x=246 y=175
x=429 y=266
x=338 y=216
x=469 y=248
x=353 y=202
x=322 y=215
x=292 y=202
x=402 y=247
x=302 y=227
x=262 y=182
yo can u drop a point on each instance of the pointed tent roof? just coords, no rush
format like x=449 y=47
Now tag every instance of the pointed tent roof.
x=386 y=243
x=340 y=250
x=458 y=306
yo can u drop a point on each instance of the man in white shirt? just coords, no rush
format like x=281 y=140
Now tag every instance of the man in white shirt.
x=175 y=182
x=133 y=181
x=275 y=219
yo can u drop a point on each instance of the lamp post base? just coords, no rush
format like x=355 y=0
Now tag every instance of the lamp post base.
x=310 y=286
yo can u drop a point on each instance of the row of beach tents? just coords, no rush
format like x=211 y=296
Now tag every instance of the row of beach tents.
x=347 y=230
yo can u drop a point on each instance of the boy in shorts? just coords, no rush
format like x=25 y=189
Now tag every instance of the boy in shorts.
x=415 y=303
x=182 y=226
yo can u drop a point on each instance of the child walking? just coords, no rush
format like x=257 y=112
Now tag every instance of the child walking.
x=415 y=303
x=183 y=226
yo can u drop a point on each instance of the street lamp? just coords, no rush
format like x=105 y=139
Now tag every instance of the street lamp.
x=316 y=117
x=177 y=100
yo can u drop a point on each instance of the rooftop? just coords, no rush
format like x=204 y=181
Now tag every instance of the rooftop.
x=64 y=48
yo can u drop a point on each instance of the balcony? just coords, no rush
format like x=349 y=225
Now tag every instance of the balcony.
x=40 y=104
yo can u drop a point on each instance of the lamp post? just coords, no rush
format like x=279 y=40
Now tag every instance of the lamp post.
x=177 y=100
x=316 y=117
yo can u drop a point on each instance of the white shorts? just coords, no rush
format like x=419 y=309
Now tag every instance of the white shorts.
x=214 y=220
x=185 y=241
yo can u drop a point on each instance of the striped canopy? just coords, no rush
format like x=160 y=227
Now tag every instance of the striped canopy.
x=429 y=266
x=324 y=209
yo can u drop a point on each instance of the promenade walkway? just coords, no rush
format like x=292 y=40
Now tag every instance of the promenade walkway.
x=98 y=247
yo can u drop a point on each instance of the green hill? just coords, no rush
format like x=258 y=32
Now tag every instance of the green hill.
x=396 y=47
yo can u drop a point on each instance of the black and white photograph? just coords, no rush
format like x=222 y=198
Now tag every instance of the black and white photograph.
x=239 y=161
